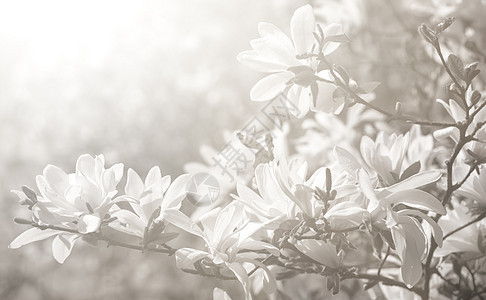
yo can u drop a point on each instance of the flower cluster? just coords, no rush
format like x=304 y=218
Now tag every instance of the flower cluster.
x=359 y=197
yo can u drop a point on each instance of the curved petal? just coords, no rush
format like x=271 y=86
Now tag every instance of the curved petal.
x=417 y=199
x=302 y=27
x=186 y=257
x=31 y=235
x=320 y=251
x=62 y=246
x=259 y=63
x=270 y=86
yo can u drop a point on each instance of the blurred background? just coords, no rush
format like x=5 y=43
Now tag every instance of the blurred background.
x=143 y=82
x=147 y=83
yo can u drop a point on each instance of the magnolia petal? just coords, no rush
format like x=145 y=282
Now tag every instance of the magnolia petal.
x=31 y=235
x=415 y=181
x=128 y=222
x=271 y=49
x=85 y=165
x=457 y=112
x=134 y=186
x=259 y=245
x=302 y=27
x=410 y=246
x=267 y=29
x=269 y=282
x=444 y=133
x=259 y=63
x=186 y=257
x=270 y=86
x=436 y=230
x=417 y=199
x=325 y=98
x=367 y=189
x=62 y=246
x=219 y=294
x=177 y=218
x=347 y=160
x=176 y=192
x=153 y=177
x=88 y=224
x=56 y=178
x=320 y=251
x=240 y=273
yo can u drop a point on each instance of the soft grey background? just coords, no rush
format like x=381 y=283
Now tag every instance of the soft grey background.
x=143 y=82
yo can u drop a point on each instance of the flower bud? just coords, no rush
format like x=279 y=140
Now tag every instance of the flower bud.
x=427 y=34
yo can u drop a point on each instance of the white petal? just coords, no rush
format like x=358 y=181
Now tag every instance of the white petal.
x=302 y=26
x=88 y=223
x=417 y=199
x=270 y=86
x=415 y=181
x=319 y=251
x=31 y=235
x=62 y=246
x=272 y=49
x=134 y=186
x=219 y=294
x=186 y=257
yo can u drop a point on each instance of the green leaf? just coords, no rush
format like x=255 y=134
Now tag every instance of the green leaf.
x=411 y=170
x=456 y=66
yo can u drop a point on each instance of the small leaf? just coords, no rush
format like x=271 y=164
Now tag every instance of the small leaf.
x=29 y=193
x=368 y=87
x=444 y=24
x=411 y=170
x=370 y=284
x=456 y=66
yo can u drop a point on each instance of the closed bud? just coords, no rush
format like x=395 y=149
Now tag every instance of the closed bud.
x=444 y=24
x=475 y=97
x=427 y=34
x=398 y=108
x=22 y=221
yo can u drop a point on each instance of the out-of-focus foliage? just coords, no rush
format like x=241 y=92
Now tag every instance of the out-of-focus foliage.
x=145 y=83
x=153 y=85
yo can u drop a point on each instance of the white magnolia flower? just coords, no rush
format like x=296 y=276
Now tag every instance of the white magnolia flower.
x=77 y=202
x=408 y=235
x=227 y=234
x=465 y=240
x=148 y=200
x=292 y=70
x=386 y=156
x=474 y=189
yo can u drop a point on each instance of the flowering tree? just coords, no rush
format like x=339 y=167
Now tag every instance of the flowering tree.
x=392 y=200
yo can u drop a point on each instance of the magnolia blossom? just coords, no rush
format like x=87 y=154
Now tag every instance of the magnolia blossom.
x=474 y=189
x=292 y=69
x=76 y=202
x=386 y=155
x=148 y=200
x=408 y=235
x=227 y=234
x=465 y=240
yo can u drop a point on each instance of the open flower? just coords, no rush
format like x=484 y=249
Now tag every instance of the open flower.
x=466 y=239
x=227 y=234
x=408 y=234
x=148 y=200
x=77 y=202
x=292 y=67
